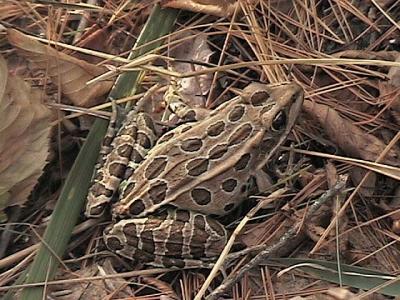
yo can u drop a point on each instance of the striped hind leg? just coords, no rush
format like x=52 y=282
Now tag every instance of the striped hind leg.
x=115 y=161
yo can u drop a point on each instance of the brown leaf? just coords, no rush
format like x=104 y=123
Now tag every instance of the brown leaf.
x=222 y=8
x=392 y=87
x=94 y=289
x=24 y=138
x=348 y=137
x=165 y=289
x=394 y=73
x=193 y=47
x=70 y=73
x=367 y=188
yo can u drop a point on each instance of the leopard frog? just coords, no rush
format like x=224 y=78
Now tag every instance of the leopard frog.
x=168 y=190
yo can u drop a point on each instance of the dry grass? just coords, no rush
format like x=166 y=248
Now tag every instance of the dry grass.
x=342 y=53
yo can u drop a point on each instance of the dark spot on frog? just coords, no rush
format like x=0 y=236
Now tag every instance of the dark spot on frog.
x=99 y=176
x=236 y=113
x=158 y=191
x=229 y=185
x=113 y=243
x=216 y=129
x=242 y=162
x=136 y=207
x=117 y=169
x=240 y=134
x=148 y=121
x=182 y=215
x=279 y=121
x=99 y=189
x=143 y=140
x=130 y=230
x=191 y=145
x=201 y=196
x=166 y=137
x=136 y=157
x=218 y=151
x=197 y=166
x=147 y=240
x=229 y=207
x=124 y=150
x=98 y=209
x=199 y=222
x=185 y=128
x=156 y=167
x=259 y=98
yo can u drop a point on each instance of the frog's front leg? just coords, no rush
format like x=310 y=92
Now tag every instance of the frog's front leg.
x=120 y=155
x=175 y=238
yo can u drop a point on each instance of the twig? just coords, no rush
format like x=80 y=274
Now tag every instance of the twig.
x=88 y=279
x=284 y=240
x=223 y=255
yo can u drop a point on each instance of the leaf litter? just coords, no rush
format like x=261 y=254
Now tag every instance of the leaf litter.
x=351 y=111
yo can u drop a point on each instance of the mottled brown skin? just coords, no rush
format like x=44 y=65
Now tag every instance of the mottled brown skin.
x=202 y=168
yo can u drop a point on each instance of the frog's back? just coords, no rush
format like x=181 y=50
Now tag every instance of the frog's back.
x=208 y=165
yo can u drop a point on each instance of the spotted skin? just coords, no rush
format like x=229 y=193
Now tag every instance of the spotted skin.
x=245 y=125
x=200 y=168
x=176 y=238
x=117 y=156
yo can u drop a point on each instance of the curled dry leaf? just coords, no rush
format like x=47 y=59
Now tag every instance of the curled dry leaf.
x=219 y=8
x=348 y=137
x=71 y=74
x=24 y=138
x=194 y=47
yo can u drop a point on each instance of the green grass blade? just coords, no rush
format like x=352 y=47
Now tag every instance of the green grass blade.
x=74 y=193
x=357 y=277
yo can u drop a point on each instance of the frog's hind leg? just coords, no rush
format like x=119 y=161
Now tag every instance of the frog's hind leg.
x=175 y=238
x=116 y=156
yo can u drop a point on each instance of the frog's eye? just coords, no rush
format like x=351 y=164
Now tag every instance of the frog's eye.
x=279 y=121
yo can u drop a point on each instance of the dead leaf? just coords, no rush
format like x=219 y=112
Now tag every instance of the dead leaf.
x=357 y=175
x=165 y=289
x=394 y=73
x=193 y=47
x=348 y=137
x=392 y=207
x=222 y=8
x=391 y=88
x=71 y=74
x=24 y=138
x=94 y=289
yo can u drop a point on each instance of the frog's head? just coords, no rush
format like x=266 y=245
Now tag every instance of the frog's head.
x=280 y=105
